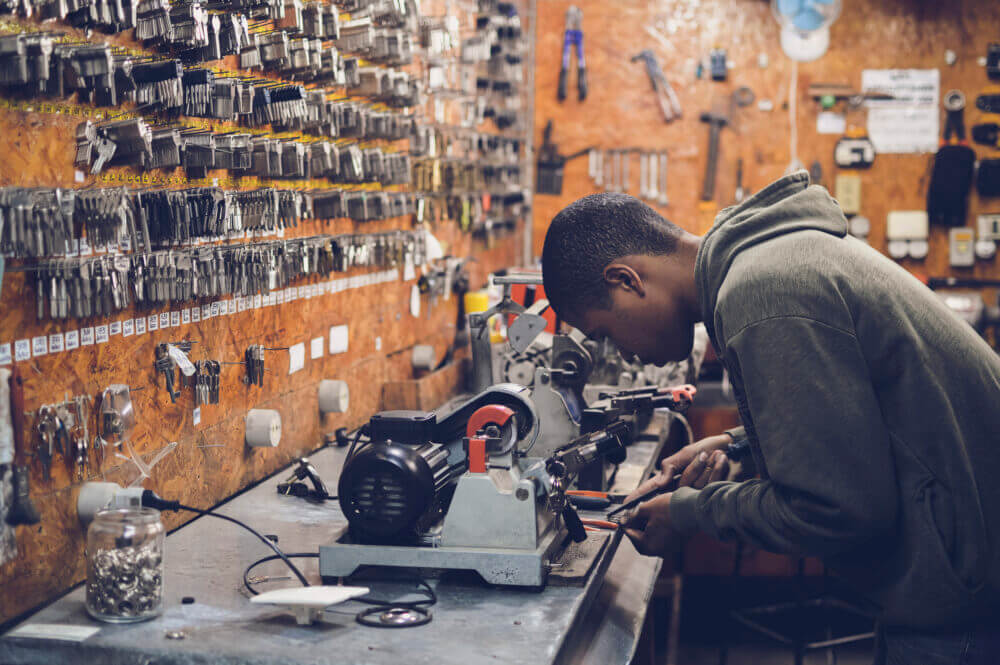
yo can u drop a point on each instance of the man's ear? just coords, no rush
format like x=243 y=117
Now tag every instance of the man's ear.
x=623 y=276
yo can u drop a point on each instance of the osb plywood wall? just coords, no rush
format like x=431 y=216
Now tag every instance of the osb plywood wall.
x=621 y=110
x=210 y=461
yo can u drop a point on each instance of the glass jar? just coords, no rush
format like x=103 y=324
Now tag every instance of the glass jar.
x=125 y=565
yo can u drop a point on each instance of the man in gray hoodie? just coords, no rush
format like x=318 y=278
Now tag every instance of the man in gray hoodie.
x=872 y=412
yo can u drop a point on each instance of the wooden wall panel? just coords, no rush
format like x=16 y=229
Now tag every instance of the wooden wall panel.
x=621 y=109
x=210 y=461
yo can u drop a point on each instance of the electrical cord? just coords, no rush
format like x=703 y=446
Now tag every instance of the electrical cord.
x=378 y=605
x=151 y=500
x=357 y=436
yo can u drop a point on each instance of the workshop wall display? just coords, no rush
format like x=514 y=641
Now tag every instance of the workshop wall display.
x=207 y=209
x=663 y=78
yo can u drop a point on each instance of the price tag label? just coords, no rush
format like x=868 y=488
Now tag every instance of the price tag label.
x=101 y=333
x=140 y=326
x=164 y=320
x=175 y=319
x=72 y=340
x=128 y=328
x=22 y=350
x=39 y=345
x=86 y=336
x=56 y=343
x=195 y=314
x=5 y=354
x=115 y=328
x=185 y=316
x=206 y=312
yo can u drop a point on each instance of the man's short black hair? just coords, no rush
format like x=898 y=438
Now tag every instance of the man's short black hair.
x=589 y=234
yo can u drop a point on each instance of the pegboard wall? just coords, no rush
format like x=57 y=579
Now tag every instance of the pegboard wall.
x=620 y=109
x=435 y=100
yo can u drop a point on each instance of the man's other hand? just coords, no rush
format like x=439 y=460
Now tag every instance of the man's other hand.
x=650 y=529
x=697 y=466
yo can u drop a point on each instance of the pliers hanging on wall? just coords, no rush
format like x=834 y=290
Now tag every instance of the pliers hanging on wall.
x=573 y=37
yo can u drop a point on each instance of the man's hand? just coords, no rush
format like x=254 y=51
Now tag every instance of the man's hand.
x=650 y=530
x=700 y=463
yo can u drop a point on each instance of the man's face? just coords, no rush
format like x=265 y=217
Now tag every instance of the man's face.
x=653 y=325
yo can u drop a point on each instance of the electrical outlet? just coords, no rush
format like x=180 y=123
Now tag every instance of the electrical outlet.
x=961 y=248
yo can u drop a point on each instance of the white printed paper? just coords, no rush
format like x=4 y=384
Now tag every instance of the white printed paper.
x=72 y=340
x=195 y=314
x=22 y=350
x=175 y=319
x=164 y=320
x=101 y=334
x=152 y=322
x=54 y=631
x=86 y=336
x=296 y=357
x=128 y=328
x=115 y=328
x=140 y=326
x=56 y=341
x=909 y=123
x=5 y=357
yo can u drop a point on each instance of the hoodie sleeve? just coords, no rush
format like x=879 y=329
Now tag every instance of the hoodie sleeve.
x=831 y=483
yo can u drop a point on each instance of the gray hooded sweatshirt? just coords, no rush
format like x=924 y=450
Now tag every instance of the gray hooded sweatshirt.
x=873 y=412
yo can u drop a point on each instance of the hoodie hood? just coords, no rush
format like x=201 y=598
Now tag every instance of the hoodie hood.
x=785 y=206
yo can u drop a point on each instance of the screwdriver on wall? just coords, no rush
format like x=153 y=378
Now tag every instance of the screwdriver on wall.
x=573 y=37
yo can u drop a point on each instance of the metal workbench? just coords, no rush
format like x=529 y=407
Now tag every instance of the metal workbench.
x=473 y=623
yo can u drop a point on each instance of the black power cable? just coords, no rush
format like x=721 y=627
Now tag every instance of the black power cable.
x=379 y=606
x=151 y=500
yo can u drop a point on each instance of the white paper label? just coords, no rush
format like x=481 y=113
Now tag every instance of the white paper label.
x=153 y=322
x=316 y=348
x=231 y=307
x=39 y=345
x=828 y=122
x=241 y=304
x=128 y=328
x=206 y=312
x=175 y=319
x=164 y=320
x=115 y=328
x=101 y=334
x=72 y=340
x=296 y=357
x=195 y=314
x=338 y=339
x=140 y=326
x=22 y=350
x=256 y=301
x=215 y=310
x=5 y=357
x=86 y=336
x=56 y=343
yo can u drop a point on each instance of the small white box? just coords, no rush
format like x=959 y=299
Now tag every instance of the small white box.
x=907 y=225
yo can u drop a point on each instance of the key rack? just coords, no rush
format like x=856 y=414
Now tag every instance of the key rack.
x=237 y=177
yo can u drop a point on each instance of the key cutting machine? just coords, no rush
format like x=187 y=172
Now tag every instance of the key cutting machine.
x=461 y=490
